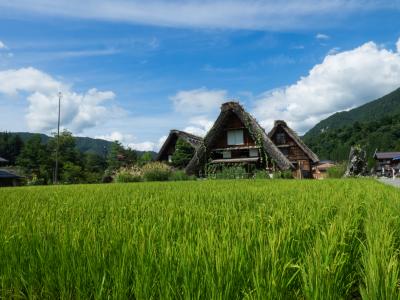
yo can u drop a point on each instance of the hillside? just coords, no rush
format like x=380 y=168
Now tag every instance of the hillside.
x=83 y=144
x=375 y=125
x=371 y=111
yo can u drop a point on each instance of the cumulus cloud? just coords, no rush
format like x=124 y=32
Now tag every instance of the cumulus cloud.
x=398 y=45
x=199 y=125
x=342 y=81
x=128 y=140
x=251 y=14
x=2 y=45
x=198 y=101
x=79 y=110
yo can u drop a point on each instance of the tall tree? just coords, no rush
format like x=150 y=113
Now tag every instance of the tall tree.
x=183 y=154
x=35 y=159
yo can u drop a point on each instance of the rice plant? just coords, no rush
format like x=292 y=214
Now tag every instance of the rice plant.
x=228 y=239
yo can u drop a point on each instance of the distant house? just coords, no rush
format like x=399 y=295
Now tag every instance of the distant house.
x=9 y=179
x=386 y=163
x=320 y=171
x=168 y=148
x=3 y=161
x=294 y=149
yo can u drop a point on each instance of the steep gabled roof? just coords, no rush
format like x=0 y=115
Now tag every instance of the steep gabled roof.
x=282 y=124
x=174 y=134
x=255 y=130
x=4 y=174
x=386 y=155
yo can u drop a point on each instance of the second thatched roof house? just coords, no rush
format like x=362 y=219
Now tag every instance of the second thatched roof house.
x=169 y=146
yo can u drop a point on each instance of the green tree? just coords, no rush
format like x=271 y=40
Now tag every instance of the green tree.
x=183 y=154
x=35 y=159
x=69 y=158
x=115 y=157
x=145 y=158
x=10 y=146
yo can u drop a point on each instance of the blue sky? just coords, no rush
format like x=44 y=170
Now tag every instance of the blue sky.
x=132 y=71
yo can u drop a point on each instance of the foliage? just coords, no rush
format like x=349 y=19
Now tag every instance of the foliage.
x=35 y=160
x=287 y=174
x=375 y=125
x=259 y=239
x=131 y=174
x=145 y=158
x=373 y=111
x=156 y=171
x=180 y=175
x=10 y=146
x=337 y=171
x=261 y=174
x=227 y=172
x=183 y=154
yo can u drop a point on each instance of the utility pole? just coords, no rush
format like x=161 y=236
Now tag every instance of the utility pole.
x=55 y=179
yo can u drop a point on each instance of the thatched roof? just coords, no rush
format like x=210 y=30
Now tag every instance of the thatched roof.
x=282 y=124
x=173 y=136
x=255 y=130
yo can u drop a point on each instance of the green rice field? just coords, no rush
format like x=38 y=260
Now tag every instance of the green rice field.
x=251 y=239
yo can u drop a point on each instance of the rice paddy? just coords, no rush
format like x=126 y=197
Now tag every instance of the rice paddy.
x=262 y=239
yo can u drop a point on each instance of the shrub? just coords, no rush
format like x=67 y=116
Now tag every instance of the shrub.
x=183 y=153
x=283 y=175
x=261 y=174
x=180 y=176
x=337 y=171
x=229 y=172
x=156 y=171
x=132 y=174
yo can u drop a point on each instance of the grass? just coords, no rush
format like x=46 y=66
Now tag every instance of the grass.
x=262 y=239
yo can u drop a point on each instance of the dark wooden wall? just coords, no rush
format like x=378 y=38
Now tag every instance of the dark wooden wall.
x=232 y=123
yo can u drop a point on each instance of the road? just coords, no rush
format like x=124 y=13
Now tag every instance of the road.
x=390 y=181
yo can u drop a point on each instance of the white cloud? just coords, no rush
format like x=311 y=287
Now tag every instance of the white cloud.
x=198 y=101
x=2 y=45
x=79 y=110
x=342 y=81
x=199 y=125
x=398 y=45
x=322 y=36
x=252 y=14
x=128 y=140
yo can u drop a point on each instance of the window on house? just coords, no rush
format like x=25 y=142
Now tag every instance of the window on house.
x=280 y=138
x=226 y=154
x=253 y=153
x=285 y=151
x=170 y=158
x=235 y=137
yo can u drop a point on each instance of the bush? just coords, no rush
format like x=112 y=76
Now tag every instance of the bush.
x=337 y=171
x=283 y=175
x=180 y=176
x=230 y=172
x=156 y=171
x=260 y=174
x=132 y=174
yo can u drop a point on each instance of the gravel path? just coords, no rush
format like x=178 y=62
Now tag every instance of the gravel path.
x=394 y=182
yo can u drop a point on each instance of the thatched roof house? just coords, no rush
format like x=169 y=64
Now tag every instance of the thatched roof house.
x=236 y=137
x=296 y=151
x=168 y=148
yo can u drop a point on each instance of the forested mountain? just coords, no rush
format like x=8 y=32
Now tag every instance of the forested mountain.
x=83 y=144
x=375 y=125
x=372 y=111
